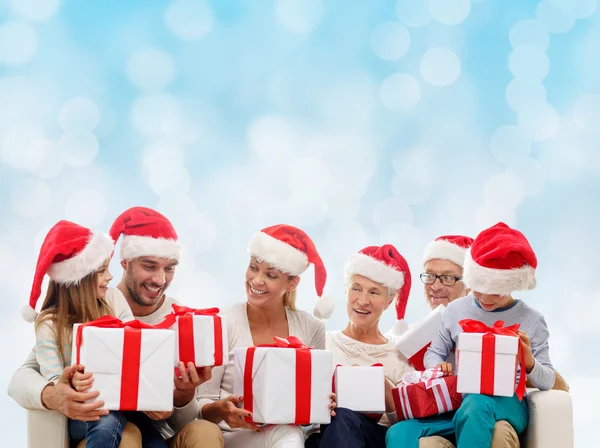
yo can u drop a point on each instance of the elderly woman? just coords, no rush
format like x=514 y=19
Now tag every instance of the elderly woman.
x=375 y=277
x=278 y=256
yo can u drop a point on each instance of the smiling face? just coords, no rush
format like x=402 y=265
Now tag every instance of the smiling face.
x=366 y=301
x=147 y=279
x=437 y=294
x=103 y=278
x=265 y=284
x=491 y=302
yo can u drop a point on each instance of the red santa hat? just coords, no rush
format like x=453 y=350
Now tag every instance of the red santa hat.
x=69 y=253
x=448 y=247
x=145 y=233
x=385 y=265
x=500 y=261
x=291 y=250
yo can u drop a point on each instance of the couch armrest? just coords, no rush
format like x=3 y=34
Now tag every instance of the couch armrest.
x=550 y=419
x=47 y=429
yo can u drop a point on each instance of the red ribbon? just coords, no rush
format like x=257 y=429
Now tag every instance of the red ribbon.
x=488 y=352
x=132 y=344
x=303 y=377
x=184 y=317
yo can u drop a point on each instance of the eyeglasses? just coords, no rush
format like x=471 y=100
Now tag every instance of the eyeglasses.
x=446 y=280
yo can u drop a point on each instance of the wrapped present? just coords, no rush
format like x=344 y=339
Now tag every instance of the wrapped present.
x=416 y=340
x=285 y=382
x=201 y=335
x=422 y=394
x=127 y=360
x=486 y=359
x=369 y=397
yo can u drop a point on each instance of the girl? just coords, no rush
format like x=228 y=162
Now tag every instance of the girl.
x=76 y=260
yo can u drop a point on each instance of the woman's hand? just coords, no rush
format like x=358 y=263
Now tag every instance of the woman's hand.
x=446 y=368
x=227 y=410
x=332 y=404
x=81 y=381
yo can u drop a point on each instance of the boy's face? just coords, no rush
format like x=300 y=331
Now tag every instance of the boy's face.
x=491 y=302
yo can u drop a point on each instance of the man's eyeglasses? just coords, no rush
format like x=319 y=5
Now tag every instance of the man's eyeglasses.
x=446 y=280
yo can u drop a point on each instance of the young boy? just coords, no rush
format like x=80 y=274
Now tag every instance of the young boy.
x=500 y=262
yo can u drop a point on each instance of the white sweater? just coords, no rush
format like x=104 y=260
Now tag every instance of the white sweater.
x=348 y=351
x=301 y=324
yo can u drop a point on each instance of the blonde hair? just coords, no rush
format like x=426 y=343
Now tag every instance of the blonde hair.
x=66 y=305
x=289 y=299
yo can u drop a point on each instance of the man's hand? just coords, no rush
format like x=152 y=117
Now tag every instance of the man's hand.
x=81 y=381
x=446 y=368
x=159 y=415
x=227 y=410
x=529 y=359
x=63 y=398
x=332 y=404
x=187 y=381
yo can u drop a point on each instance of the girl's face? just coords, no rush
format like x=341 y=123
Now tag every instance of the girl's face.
x=103 y=277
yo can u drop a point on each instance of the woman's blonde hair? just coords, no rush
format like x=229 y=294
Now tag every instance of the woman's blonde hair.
x=289 y=298
x=66 y=305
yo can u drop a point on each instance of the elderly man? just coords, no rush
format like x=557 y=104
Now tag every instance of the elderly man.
x=149 y=254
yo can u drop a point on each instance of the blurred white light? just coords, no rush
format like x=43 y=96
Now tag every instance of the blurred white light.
x=47 y=162
x=344 y=237
x=405 y=238
x=19 y=99
x=391 y=210
x=30 y=197
x=299 y=16
x=411 y=192
x=35 y=10
x=308 y=175
x=490 y=214
x=577 y=9
x=343 y=207
x=504 y=190
x=86 y=207
x=413 y=14
x=39 y=238
x=199 y=290
x=450 y=12
x=161 y=153
x=539 y=122
x=440 y=66
x=171 y=180
x=390 y=41
x=197 y=230
x=529 y=62
x=563 y=156
x=306 y=209
x=417 y=164
x=151 y=69
x=553 y=18
x=79 y=114
x=78 y=148
x=586 y=112
x=510 y=144
x=18 y=142
x=272 y=136
x=529 y=32
x=400 y=92
x=156 y=114
x=18 y=43
x=190 y=20
x=531 y=173
x=523 y=93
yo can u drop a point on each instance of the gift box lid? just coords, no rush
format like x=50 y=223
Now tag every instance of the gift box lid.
x=472 y=342
x=420 y=333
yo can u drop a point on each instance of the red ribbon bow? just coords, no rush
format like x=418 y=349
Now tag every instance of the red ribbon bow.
x=185 y=324
x=303 y=376
x=488 y=352
x=132 y=344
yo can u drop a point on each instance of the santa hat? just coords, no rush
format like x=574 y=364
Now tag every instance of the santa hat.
x=145 y=233
x=500 y=261
x=385 y=265
x=449 y=247
x=69 y=253
x=291 y=250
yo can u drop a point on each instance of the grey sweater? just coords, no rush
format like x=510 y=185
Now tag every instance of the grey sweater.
x=531 y=322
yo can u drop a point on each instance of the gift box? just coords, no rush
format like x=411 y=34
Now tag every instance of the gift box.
x=486 y=359
x=286 y=382
x=414 y=342
x=200 y=335
x=127 y=360
x=426 y=393
x=369 y=397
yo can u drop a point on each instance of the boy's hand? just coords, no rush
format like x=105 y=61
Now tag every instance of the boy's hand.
x=81 y=381
x=529 y=359
x=446 y=368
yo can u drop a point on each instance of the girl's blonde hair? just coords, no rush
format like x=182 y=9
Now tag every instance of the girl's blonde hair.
x=66 y=305
x=289 y=298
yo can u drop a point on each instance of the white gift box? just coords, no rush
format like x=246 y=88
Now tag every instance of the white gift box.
x=201 y=341
x=102 y=353
x=360 y=388
x=274 y=383
x=498 y=377
x=414 y=342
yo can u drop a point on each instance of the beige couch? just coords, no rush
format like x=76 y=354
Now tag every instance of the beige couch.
x=550 y=423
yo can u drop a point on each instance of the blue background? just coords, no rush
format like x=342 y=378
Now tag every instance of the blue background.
x=361 y=122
